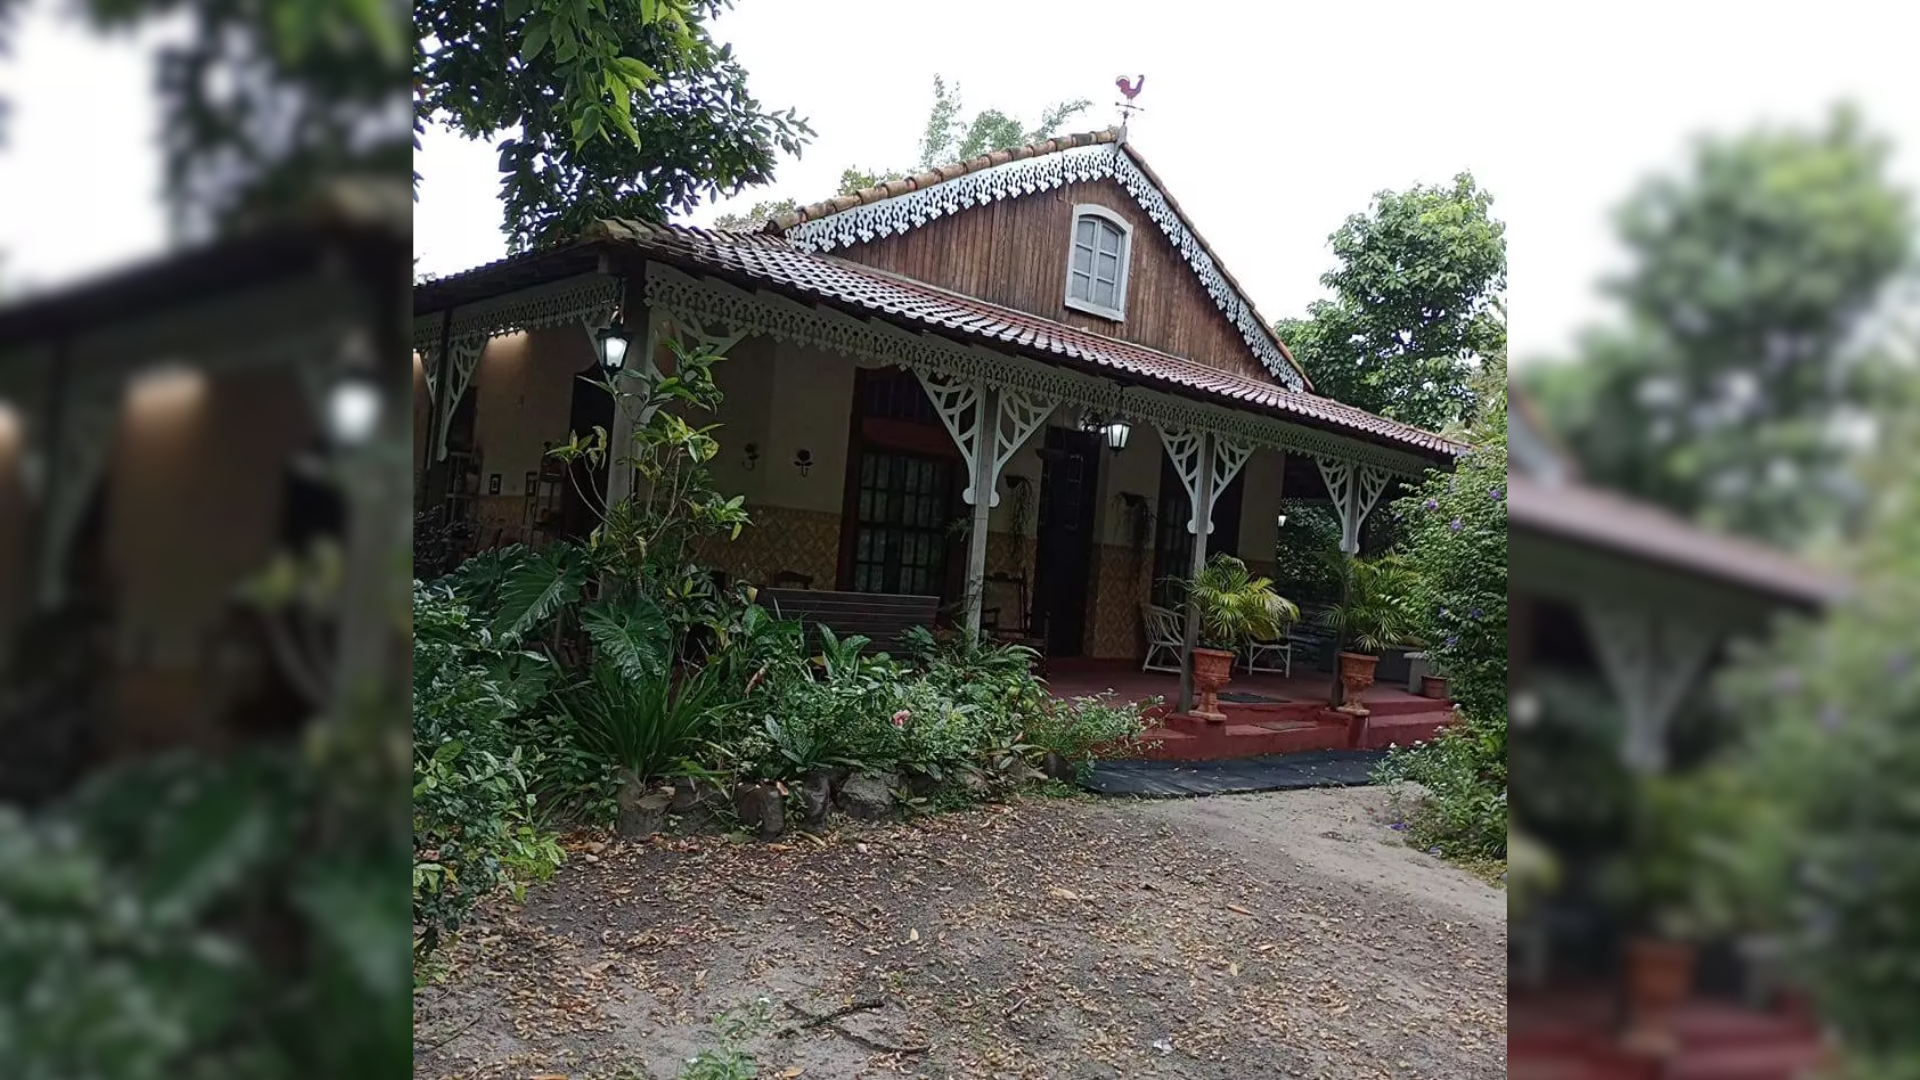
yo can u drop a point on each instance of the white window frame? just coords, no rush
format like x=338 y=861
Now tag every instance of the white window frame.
x=1118 y=312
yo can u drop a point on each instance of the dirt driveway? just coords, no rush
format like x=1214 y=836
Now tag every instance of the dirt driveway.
x=1283 y=935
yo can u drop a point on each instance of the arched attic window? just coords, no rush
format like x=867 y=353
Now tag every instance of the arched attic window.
x=1097 y=262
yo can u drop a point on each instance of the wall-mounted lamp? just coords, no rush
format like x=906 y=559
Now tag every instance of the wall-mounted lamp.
x=353 y=408
x=803 y=461
x=752 y=455
x=1113 y=429
x=612 y=345
x=1283 y=521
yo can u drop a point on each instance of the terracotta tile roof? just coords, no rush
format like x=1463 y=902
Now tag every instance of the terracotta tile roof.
x=769 y=261
x=937 y=175
x=1616 y=523
x=943 y=173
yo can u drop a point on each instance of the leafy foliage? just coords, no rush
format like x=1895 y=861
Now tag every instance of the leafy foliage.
x=948 y=137
x=1086 y=728
x=1375 y=608
x=1236 y=605
x=644 y=726
x=1414 y=307
x=1735 y=385
x=1300 y=551
x=623 y=108
x=1454 y=548
x=1454 y=544
x=266 y=106
x=206 y=940
x=1818 y=818
x=473 y=823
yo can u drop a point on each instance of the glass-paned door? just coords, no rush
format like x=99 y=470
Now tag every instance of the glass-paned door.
x=904 y=507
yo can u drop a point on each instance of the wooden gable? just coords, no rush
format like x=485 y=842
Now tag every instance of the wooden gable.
x=1013 y=252
x=999 y=228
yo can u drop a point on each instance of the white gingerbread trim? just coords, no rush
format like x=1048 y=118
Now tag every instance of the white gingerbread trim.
x=1652 y=662
x=556 y=303
x=1021 y=413
x=1185 y=447
x=1353 y=488
x=1044 y=172
x=875 y=341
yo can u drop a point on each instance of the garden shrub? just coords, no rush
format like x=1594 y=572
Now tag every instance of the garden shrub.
x=1086 y=728
x=1454 y=537
x=473 y=812
x=1818 y=829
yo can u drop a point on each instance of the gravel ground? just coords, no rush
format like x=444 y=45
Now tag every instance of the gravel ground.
x=1280 y=935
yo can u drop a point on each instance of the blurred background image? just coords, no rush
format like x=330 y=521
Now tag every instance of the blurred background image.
x=1714 y=558
x=203 y=274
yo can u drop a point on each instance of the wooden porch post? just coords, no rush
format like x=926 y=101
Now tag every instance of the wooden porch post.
x=625 y=416
x=985 y=450
x=1200 y=524
x=433 y=486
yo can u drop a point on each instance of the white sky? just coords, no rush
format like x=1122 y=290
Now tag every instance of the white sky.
x=1268 y=122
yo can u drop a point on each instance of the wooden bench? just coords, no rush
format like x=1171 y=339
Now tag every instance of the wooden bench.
x=877 y=616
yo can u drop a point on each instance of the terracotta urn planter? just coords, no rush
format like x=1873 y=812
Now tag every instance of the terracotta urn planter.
x=1212 y=670
x=1356 y=674
x=1433 y=686
x=1659 y=977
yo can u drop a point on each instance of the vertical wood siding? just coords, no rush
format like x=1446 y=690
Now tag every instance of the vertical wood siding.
x=1014 y=252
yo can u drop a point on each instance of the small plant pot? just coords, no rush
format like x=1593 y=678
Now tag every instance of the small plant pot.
x=1212 y=670
x=1433 y=686
x=1659 y=978
x=1356 y=674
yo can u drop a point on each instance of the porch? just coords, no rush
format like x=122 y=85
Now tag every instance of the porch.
x=1267 y=712
x=890 y=438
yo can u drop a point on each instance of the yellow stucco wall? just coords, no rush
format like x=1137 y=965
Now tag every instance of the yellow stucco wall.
x=783 y=398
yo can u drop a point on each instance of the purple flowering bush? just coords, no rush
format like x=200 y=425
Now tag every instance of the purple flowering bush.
x=1454 y=539
x=1827 y=843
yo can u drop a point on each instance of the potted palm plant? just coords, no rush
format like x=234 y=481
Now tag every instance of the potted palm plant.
x=1235 y=605
x=1373 y=614
x=1677 y=896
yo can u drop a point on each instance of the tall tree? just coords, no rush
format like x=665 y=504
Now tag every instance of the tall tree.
x=622 y=107
x=948 y=137
x=1413 y=305
x=1735 y=386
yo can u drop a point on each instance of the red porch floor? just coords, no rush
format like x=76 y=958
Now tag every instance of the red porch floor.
x=1572 y=1035
x=1292 y=714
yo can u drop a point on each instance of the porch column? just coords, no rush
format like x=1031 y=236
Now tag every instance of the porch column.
x=1206 y=464
x=1651 y=663
x=988 y=423
x=627 y=415
x=982 y=496
x=1200 y=523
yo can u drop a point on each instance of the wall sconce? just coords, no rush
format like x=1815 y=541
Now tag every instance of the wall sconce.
x=752 y=455
x=1283 y=521
x=353 y=409
x=612 y=344
x=803 y=461
x=1113 y=429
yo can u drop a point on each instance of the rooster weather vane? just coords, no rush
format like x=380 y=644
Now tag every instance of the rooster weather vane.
x=1129 y=90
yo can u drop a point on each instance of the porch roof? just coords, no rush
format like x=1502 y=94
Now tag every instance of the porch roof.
x=769 y=261
x=1611 y=522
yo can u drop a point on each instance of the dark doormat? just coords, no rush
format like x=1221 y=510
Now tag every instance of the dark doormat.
x=1236 y=697
x=1274 y=772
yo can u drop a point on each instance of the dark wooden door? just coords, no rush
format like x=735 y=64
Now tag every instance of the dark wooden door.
x=1064 y=563
x=585 y=497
